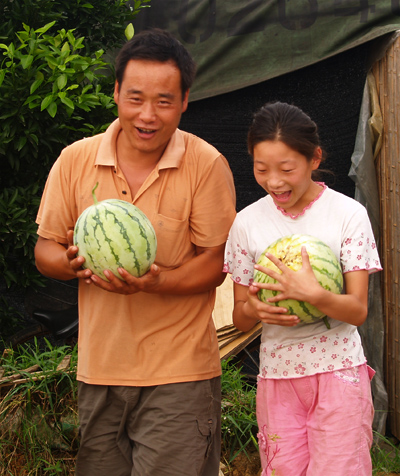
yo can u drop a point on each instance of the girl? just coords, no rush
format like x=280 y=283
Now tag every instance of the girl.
x=314 y=405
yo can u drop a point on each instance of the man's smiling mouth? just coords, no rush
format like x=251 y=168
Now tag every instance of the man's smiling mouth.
x=145 y=131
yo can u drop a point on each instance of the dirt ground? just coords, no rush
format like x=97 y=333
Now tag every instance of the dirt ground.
x=243 y=466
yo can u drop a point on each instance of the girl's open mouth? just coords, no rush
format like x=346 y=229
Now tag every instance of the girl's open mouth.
x=281 y=197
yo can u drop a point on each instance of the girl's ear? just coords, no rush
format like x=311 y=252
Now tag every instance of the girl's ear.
x=316 y=160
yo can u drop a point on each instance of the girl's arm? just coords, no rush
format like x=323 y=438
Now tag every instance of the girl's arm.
x=248 y=310
x=302 y=285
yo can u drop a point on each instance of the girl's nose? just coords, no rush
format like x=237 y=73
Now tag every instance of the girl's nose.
x=274 y=181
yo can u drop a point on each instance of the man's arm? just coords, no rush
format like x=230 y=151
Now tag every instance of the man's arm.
x=200 y=274
x=59 y=261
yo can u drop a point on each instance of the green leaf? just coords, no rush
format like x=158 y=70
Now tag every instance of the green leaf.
x=27 y=61
x=35 y=85
x=52 y=109
x=45 y=28
x=129 y=31
x=46 y=102
x=61 y=81
x=67 y=102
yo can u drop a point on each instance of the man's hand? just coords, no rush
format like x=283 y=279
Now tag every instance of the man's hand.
x=76 y=262
x=130 y=284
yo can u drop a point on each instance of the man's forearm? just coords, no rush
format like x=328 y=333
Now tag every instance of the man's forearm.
x=51 y=260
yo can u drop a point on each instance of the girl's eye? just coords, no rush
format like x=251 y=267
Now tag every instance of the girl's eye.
x=288 y=170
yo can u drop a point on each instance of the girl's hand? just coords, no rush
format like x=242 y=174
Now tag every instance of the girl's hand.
x=300 y=285
x=266 y=313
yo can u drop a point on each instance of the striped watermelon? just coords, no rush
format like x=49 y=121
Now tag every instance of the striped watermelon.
x=323 y=262
x=114 y=234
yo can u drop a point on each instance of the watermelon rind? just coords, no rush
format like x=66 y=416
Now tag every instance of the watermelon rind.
x=323 y=261
x=114 y=234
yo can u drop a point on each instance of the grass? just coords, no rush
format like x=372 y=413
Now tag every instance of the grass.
x=39 y=427
x=238 y=421
x=39 y=422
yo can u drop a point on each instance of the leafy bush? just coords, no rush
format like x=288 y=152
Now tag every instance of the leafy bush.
x=55 y=88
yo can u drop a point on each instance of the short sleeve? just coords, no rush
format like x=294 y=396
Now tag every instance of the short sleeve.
x=359 y=250
x=238 y=259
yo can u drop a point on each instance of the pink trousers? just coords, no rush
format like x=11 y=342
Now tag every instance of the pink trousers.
x=320 y=425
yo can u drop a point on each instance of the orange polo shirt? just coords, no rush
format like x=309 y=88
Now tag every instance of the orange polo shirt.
x=146 y=339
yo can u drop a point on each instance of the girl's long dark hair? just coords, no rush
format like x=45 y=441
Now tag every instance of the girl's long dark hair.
x=278 y=121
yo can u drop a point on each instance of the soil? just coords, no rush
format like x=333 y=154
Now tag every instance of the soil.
x=243 y=466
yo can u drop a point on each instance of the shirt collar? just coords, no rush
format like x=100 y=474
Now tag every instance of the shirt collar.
x=106 y=154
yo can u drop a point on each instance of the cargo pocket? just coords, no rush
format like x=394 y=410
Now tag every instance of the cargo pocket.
x=207 y=427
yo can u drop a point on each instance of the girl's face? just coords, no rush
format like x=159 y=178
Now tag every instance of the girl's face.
x=286 y=175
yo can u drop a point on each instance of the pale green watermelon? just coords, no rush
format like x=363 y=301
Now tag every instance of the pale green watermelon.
x=114 y=234
x=323 y=262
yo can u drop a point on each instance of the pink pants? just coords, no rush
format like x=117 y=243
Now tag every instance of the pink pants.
x=319 y=425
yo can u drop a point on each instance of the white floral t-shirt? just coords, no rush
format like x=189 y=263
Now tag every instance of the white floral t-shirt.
x=343 y=224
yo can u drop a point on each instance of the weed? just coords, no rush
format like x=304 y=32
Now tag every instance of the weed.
x=238 y=422
x=39 y=427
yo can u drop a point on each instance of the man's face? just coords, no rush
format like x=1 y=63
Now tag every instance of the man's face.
x=150 y=106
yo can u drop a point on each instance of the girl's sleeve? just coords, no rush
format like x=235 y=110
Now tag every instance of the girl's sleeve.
x=239 y=261
x=359 y=250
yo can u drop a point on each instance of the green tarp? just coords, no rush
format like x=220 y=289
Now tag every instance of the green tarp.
x=237 y=43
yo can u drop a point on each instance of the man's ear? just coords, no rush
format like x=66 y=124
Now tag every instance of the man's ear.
x=116 y=92
x=185 y=101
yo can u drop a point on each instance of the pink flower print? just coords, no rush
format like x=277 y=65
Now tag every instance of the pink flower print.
x=225 y=269
x=275 y=371
x=273 y=355
x=345 y=340
x=334 y=356
x=344 y=349
x=354 y=344
x=313 y=349
x=300 y=346
x=359 y=257
x=285 y=373
x=244 y=252
x=238 y=279
x=360 y=243
x=289 y=348
x=297 y=355
x=262 y=441
x=278 y=347
x=349 y=252
x=373 y=246
x=239 y=261
x=356 y=268
x=348 y=241
x=330 y=367
x=335 y=342
x=300 y=369
x=347 y=363
x=246 y=271
x=323 y=350
x=316 y=365
x=279 y=356
x=264 y=372
x=323 y=339
x=287 y=362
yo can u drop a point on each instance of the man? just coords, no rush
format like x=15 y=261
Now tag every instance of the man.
x=149 y=368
